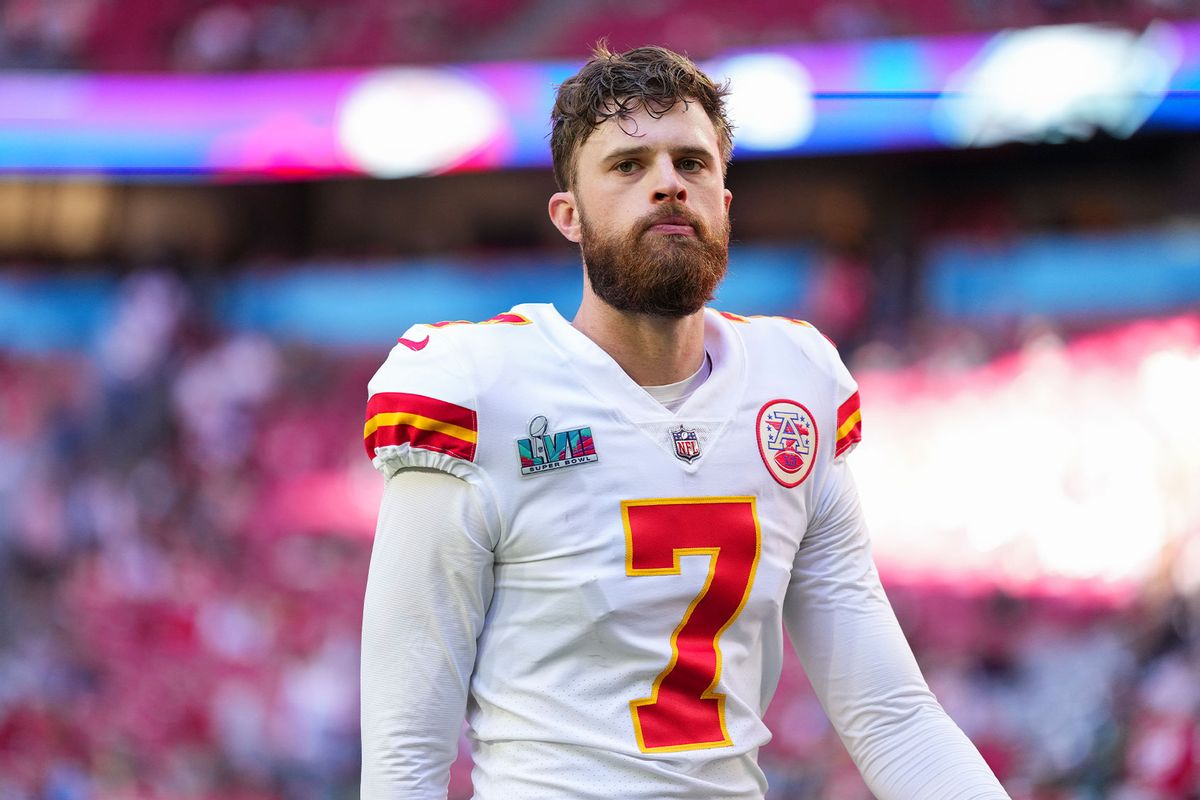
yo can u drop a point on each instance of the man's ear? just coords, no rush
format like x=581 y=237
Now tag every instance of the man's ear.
x=564 y=213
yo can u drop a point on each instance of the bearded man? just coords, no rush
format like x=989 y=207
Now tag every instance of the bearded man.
x=594 y=533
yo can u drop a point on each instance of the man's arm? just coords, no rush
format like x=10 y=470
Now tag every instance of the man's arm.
x=862 y=668
x=428 y=591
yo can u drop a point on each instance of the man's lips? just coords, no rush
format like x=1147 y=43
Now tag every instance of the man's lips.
x=676 y=225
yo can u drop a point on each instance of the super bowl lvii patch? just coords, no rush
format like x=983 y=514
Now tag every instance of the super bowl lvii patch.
x=542 y=451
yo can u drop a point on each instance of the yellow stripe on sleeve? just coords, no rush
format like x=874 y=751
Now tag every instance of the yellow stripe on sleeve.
x=849 y=424
x=417 y=421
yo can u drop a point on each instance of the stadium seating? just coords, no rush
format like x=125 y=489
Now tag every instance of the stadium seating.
x=267 y=34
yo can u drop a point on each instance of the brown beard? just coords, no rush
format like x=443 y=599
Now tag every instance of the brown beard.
x=642 y=272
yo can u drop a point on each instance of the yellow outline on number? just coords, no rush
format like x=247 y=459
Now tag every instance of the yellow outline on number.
x=677 y=553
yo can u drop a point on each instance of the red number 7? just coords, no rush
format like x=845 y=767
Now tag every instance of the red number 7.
x=684 y=711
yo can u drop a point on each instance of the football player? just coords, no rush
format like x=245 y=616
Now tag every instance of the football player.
x=595 y=530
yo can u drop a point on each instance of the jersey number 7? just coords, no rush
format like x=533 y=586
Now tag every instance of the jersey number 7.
x=684 y=711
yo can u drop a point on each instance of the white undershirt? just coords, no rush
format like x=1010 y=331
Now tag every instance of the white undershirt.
x=674 y=395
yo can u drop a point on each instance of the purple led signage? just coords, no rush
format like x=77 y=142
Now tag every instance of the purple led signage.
x=840 y=97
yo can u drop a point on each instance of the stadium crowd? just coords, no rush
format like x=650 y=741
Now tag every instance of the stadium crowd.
x=180 y=603
x=144 y=35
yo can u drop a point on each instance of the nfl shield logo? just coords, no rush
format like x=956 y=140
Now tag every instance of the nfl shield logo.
x=687 y=446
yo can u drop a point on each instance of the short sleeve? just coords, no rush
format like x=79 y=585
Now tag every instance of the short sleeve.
x=823 y=354
x=848 y=422
x=849 y=414
x=421 y=408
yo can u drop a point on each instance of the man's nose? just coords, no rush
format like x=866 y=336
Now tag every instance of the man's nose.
x=668 y=184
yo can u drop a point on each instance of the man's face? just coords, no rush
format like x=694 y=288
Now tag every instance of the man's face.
x=653 y=211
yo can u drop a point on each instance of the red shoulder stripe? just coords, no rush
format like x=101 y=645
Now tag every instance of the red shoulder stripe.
x=853 y=437
x=847 y=409
x=849 y=425
x=425 y=422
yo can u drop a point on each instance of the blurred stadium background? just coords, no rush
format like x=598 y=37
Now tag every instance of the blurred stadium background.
x=216 y=218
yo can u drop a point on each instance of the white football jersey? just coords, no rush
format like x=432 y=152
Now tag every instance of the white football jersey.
x=642 y=558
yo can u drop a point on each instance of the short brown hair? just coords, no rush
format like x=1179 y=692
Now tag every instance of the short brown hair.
x=618 y=84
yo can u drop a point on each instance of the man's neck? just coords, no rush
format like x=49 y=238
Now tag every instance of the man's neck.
x=652 y=350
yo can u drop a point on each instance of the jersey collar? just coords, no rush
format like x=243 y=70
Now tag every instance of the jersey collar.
x=715 y=401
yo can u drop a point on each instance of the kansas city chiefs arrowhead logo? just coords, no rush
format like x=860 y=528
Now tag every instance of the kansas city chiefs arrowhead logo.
x=787 y=441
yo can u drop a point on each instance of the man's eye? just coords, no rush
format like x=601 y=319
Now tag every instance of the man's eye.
x=691 y=164
x=625 y=167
